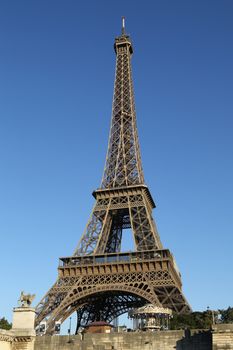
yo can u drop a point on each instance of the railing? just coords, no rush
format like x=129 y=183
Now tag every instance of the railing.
x=115 y=258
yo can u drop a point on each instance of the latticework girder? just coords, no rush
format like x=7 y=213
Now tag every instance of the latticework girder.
x=106 y=306
x=115 y=210
x=123 y=163
x=83 y=282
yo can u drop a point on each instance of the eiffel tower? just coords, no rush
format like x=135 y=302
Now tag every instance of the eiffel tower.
x=99 y=281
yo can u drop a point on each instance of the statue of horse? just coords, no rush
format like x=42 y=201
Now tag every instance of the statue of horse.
x=25 y=300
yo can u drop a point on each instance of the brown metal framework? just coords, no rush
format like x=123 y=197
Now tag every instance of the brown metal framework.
x=98 y=281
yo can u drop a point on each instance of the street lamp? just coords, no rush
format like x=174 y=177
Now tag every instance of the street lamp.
x=69 y=331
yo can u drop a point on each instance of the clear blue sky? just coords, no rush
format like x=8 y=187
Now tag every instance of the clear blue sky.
x=56 y=81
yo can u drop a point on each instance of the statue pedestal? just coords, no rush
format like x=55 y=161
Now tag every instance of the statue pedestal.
x=23 y=329
x=23 y=318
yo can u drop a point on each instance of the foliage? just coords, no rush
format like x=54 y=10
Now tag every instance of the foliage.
x=194 y=320
x=4 y=324
x=226 y=316
x=201 y=320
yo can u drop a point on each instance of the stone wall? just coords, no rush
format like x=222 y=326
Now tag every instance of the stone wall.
x=5 y=340
x=222 y=337
x=195 y=340
x=167 y=340
x=16 y=340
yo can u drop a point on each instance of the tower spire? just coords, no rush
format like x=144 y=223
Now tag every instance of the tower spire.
x=123 y=26
x=123 y=166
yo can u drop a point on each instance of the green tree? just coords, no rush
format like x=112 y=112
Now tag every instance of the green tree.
x=226 y=316
x=194 y=320
x=4 y=324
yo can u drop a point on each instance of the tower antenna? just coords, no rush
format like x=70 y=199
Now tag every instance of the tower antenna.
x=123 y=26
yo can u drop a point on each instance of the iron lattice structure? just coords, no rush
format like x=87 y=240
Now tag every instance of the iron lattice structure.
x=98 y=281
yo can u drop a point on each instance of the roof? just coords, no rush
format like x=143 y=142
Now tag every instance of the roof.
x=150 y=309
